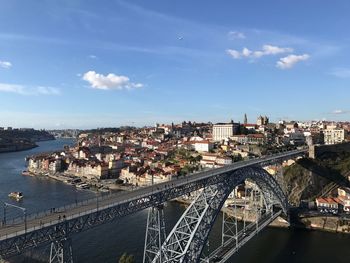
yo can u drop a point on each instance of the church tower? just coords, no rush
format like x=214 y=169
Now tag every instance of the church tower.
x=245 y=119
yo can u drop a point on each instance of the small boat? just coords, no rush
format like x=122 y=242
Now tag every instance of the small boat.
x=82 y=186
x=104 y=190
x=25 y=172
x=17 y=195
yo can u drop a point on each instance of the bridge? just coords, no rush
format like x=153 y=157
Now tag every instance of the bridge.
x=186 y=241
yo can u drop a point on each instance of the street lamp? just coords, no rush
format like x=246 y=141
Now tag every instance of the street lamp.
x=17 y=207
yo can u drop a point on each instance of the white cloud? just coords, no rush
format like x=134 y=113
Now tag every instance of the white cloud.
x=110 y=81
x=273 y=50
x=26 y=90
x=236 y=35
x=47 y=90
x=265 y=51
x=246 y=52
x=337 y=112
x=290 y=60
x=92 y=56
x=341 y=72
x=5 y=64
x=234 y=53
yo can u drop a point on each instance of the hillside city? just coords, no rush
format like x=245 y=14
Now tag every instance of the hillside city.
x=174 y=131
x=127 y=158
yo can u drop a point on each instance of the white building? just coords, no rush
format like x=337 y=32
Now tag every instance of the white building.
x=222 y=131
x=203 y=146
x=334 y=136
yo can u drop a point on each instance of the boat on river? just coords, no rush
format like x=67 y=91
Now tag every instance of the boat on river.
x=82 y=186
x=16 y=195
x=25 y=172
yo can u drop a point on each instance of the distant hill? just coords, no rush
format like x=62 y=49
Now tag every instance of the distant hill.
x=22 y=139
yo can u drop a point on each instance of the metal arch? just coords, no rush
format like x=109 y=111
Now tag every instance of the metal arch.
x=272 y=191
x=186 y=241
x=17 y=238
x=182 y=243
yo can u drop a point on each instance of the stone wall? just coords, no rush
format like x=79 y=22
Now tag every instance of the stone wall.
x=317 y=150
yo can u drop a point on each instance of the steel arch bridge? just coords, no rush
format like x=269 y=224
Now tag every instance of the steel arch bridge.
x=39 y=229
x=186 y=241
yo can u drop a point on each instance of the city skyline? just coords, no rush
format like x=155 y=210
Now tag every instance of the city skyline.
x=84 y=65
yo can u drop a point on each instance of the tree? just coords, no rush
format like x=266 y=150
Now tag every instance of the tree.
x=198 y=158
x=125 y=258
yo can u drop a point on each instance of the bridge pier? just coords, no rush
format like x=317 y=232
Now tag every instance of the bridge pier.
x=61 y=251
x=155 y=234
x=229 y=226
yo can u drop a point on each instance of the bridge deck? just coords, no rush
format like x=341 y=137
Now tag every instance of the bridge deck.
x=37 y=222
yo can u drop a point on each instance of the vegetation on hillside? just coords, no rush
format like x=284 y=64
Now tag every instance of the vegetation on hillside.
x=308 y=177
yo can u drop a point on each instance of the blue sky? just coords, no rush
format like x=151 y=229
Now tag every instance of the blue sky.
x=84 y=64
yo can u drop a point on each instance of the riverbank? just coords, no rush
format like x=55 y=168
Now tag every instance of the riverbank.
x=103 y=186
x=326 y=223
x=17 y=147
x=15 y=140
x=127 y=234
x=333 y=224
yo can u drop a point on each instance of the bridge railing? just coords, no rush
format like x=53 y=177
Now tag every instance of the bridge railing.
x=56 y=210
x=69 y=217
x=62 y=209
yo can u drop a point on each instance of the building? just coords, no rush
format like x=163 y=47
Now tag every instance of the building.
x=344 y=196
x=327 y=205
x=222 y=131
x=344 y=192
x=213 y=160
x=256 y=138
x=245 y=119
x=334 y=135
x=296 y=138
x=262 y=120
x=203 y=146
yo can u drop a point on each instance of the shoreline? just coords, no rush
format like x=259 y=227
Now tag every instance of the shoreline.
x=18 y=148
x=325 y=223
x=22 y=147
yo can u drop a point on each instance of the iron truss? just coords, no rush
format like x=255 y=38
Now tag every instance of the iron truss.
x=186 y=241
x=222 y=179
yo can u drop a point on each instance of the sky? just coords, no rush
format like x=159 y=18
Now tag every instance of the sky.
x=90 y=63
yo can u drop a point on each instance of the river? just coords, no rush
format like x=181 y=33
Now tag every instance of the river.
x=107 y=242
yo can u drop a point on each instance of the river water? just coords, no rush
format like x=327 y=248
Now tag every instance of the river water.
x=107 y=242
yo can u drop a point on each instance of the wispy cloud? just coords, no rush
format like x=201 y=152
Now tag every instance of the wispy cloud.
x=5 y=64
x=290 y=60
x=28 y=90
x=339 y=112
x=236 y=35
x=110 y=81
x=265 y=51
x=92 y=56
x=341 y=72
